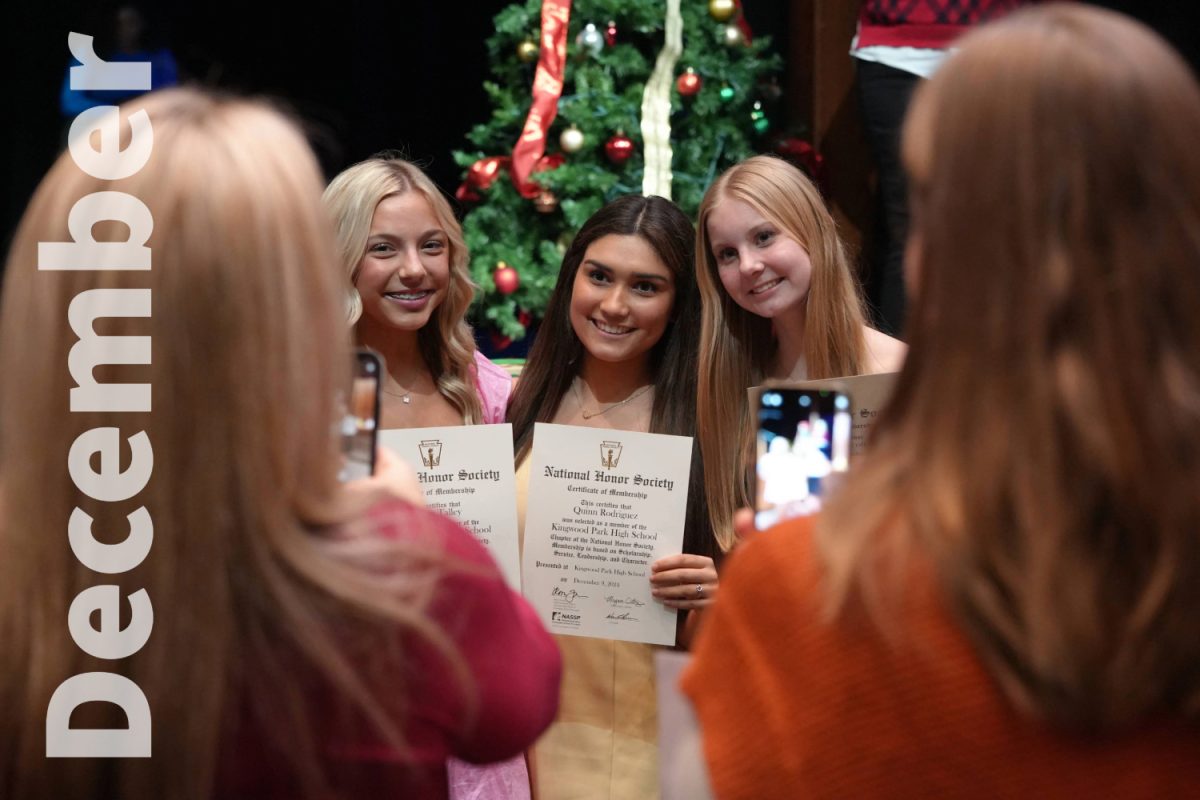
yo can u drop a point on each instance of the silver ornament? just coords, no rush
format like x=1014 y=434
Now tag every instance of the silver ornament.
x=590 y=39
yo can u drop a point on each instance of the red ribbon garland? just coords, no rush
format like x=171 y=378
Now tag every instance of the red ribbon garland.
x=741 y=22
x=528 y=155
x=547 y=88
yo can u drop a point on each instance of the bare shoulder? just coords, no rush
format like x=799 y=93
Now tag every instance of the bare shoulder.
x=884 y=353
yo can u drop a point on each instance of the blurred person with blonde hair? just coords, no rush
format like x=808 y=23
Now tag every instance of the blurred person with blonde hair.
x=1001 y=599
x=309 y=638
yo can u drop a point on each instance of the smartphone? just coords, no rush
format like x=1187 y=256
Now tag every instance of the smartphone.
x=360 y=417
x=802 y=445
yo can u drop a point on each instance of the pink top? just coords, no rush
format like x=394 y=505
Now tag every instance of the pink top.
x=512 y=663
x=494 y=385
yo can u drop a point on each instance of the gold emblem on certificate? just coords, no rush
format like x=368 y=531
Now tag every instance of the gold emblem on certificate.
x=592 y=530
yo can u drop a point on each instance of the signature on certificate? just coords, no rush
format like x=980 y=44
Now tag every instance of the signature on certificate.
x=622 y=616
x=570 y=595
x=624 y=602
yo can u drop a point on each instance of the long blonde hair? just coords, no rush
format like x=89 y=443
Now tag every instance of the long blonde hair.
x=256 y=604
x=736 y=346
x=446 y=342
x=1042 y=446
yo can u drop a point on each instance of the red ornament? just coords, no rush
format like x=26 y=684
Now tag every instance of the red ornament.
x=548 y=162
x=483 y=173
x=803 y=155
x=610 y=33
x=689 y=83
x=619 y=148
x=524 y=317
x=506 y=278
x=465 y=194
x=500 y=341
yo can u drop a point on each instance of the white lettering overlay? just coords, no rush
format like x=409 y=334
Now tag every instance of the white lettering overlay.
x=94 y=616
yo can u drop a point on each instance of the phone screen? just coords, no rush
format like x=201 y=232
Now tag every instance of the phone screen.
x=803 y=439
x=360 y=418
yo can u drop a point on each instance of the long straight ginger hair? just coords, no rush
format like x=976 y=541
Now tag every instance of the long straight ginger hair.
x=258 y=606
x=737 y=347
x=1042 y=447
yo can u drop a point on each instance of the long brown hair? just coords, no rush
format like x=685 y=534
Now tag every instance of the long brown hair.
x=446 y=342
x=737 y=347
x=257 y=605
x=556 y=356
x=1043 y=442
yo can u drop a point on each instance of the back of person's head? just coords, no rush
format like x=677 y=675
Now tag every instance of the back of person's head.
x=446 y=342
x=1043 y=442
x=245 y=347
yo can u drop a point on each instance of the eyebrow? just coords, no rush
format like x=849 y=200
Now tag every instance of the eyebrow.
x=424 y=235
x=647 y=276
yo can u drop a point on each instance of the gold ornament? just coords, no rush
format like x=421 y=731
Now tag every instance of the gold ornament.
x=732 y=36
x=571 y=140
x=527 y=51
x=545 y=202
x=722 y=10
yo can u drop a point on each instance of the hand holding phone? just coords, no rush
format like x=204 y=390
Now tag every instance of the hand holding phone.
x=802 y=441
x=360 y=422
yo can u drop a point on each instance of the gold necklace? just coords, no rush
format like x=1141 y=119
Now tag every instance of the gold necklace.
x=405 y=398
x=583 y=412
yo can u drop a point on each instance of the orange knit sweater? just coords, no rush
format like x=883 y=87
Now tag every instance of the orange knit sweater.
x=795 y=707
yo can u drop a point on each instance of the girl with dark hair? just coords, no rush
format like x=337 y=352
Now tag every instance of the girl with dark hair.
x=618 y=349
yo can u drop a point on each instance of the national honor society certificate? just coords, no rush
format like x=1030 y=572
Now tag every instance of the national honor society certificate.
x=466 y=472
x=603 y=505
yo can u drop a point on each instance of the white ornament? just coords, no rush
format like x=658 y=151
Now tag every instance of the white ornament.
x=590 y=39
x=571 y=140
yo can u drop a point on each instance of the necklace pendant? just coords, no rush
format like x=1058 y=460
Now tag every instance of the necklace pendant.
x=407 y=399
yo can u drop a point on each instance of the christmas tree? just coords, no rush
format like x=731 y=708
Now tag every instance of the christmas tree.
x=596 y=131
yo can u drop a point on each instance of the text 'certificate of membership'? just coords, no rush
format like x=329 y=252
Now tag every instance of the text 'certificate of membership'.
x=466 y=472
x=603 y=506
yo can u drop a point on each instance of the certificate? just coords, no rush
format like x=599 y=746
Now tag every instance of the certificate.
x=466 y=472
x=603 y=505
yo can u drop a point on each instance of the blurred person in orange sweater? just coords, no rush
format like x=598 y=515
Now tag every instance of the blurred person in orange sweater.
x=1002 y=599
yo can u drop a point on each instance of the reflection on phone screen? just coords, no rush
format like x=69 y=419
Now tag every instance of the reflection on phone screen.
x=360 y=419
x=803 y=443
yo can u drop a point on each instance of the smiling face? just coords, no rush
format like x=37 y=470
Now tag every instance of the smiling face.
x=621 y=300
x=763 y=269
x=404 y=273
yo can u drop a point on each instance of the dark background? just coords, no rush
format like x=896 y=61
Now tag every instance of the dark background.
x=365 y=76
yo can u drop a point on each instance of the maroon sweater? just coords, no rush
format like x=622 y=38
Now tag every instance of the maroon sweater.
x=513 y=664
